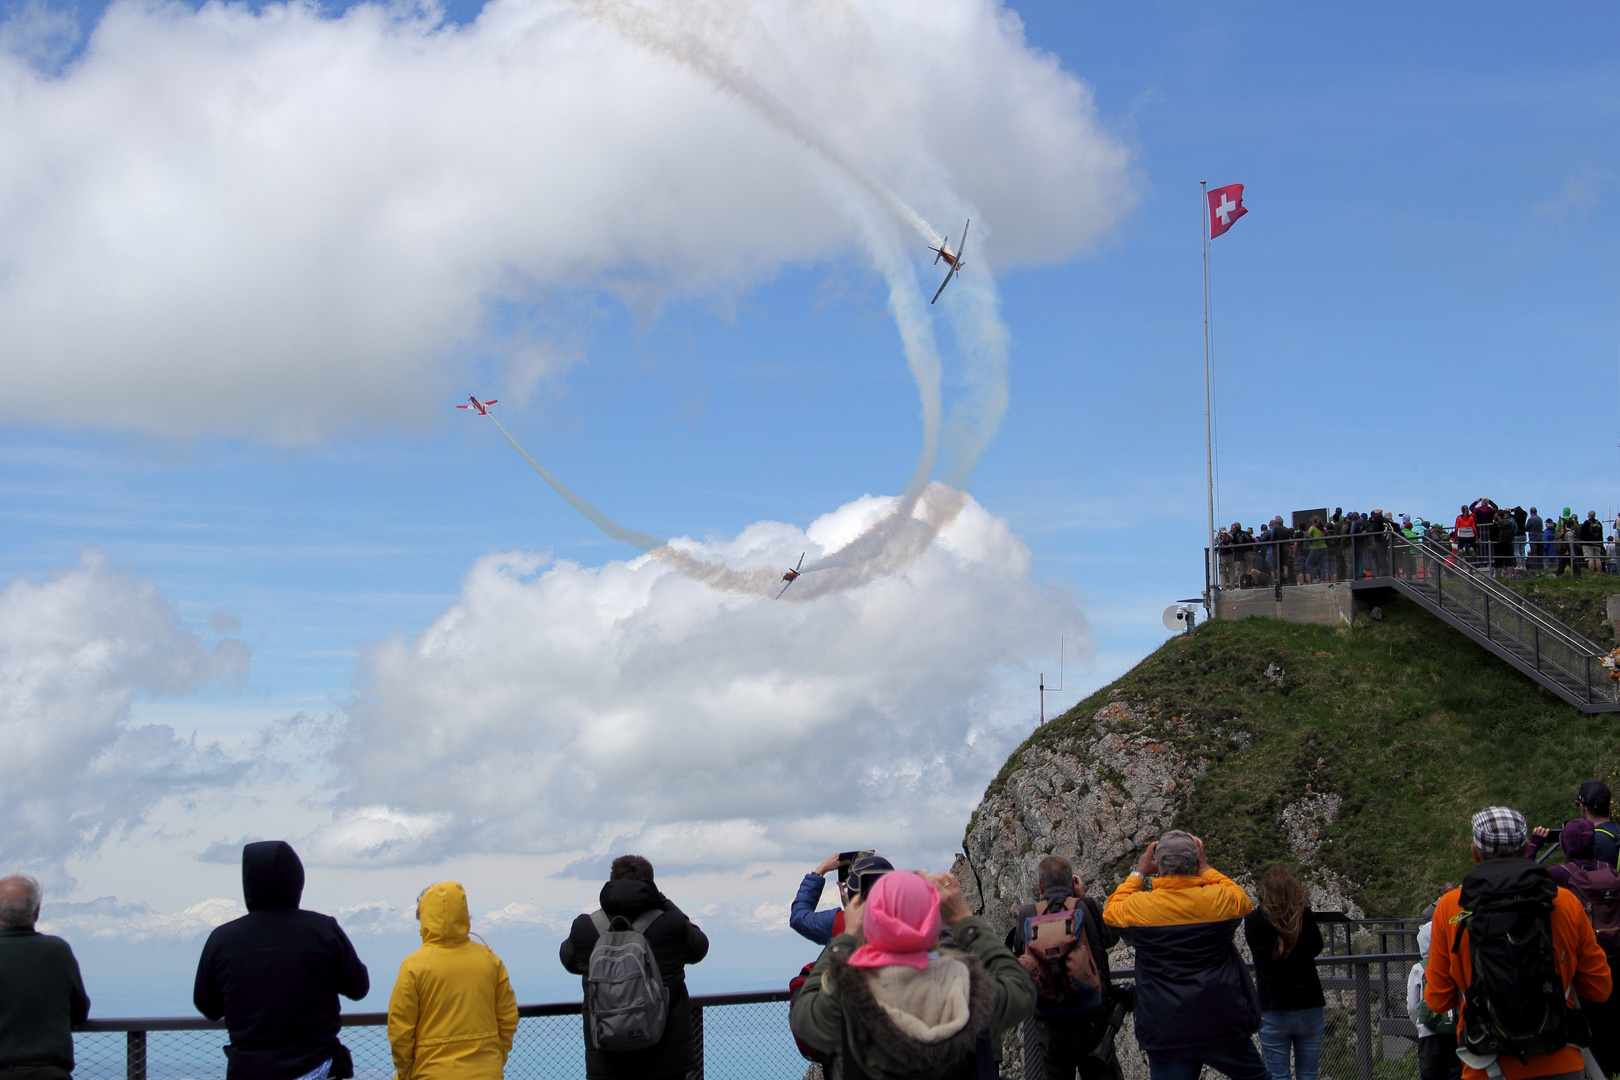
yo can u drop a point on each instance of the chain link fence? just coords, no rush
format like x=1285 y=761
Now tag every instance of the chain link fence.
x=741 y=1037
x=746 y=1037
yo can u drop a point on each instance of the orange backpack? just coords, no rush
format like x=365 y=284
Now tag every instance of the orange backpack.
x=1059 y=960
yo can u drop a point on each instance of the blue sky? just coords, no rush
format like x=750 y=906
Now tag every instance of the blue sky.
x=1419 y=309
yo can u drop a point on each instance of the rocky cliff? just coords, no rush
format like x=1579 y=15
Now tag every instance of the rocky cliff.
x=1103 y=797
x=1356 y=754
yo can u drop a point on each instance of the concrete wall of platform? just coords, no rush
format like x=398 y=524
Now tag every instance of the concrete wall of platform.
x=1331 y=604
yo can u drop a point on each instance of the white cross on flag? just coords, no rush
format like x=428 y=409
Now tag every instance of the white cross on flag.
x=1225 y=207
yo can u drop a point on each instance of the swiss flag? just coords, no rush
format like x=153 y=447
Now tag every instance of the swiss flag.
x=1225 y=207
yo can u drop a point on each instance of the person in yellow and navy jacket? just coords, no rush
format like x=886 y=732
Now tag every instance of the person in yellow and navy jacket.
x=1195 y=1005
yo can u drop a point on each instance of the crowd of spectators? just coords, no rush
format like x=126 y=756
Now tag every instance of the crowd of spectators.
x=1514 y=983
x=1504 y=541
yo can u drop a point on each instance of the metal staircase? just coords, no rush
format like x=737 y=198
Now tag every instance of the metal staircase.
x=1495 y=618
x=1471 y=602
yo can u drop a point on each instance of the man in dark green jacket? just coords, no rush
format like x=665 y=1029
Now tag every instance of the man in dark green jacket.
x=931 y=1012
x=42 y=997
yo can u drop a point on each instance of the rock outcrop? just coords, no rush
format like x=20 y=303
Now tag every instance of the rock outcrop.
x=1095 y=803
x=1101 y=795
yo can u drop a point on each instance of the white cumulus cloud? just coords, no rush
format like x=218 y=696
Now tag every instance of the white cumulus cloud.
x=562 y=709
x=287 y=220
x=107 y=919
x=75 y=649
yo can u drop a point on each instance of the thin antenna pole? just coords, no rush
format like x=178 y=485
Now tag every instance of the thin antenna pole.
x=1209 y=436
x=1055 y=689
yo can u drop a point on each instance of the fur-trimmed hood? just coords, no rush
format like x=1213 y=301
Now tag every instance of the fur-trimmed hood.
x=925 y=1022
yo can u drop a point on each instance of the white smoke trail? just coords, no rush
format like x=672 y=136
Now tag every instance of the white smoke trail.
x=683 y=33
x=639 y=540
x=983 y=337
x=917 y=340
x=696 y=35
x=674 y=38
x=888 y=546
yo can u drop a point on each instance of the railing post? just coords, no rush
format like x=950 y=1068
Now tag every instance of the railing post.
x=1589 y=680
x=135 y=1055
x=1537 y=630
x=1364 y=1056
x=1487 y=597
x=1032 y=1054
x=697 y=1041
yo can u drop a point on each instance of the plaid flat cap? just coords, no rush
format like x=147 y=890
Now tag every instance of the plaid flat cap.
x=1500 y=830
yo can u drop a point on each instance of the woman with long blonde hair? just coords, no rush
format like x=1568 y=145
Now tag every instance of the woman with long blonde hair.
x=1285 y=941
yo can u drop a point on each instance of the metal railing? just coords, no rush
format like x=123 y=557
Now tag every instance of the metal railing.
x=1369 y=1035
x=746 y=1036
x=1540 y=641
x=1302 y=560
x=739 y=1037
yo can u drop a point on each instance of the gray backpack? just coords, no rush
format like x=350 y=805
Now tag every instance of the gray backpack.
x=625 y=996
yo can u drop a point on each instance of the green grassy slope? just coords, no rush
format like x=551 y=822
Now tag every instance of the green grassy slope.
x=1414 y=726
x=1582 y=604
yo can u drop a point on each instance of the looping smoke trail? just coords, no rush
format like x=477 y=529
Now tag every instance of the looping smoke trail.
x=898 y=538
x=639 y=24
x=694 y=35
x=983 y=338
x=888 y=546
x=917 y=340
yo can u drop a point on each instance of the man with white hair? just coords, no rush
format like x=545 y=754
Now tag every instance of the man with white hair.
x=42 y=997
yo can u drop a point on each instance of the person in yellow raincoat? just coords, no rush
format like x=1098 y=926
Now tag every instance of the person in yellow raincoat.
x=452 y=1014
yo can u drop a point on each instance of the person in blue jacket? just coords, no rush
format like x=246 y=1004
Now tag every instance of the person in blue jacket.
x=819 y=926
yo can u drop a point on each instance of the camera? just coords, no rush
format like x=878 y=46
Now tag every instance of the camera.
x=858 y=883
x=847 y=859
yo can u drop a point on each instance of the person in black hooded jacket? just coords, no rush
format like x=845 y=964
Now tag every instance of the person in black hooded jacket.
x=675 y=942
x=275 y=975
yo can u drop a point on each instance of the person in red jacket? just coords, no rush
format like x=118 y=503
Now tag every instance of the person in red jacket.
x=1464 y=532
x=1500 y=841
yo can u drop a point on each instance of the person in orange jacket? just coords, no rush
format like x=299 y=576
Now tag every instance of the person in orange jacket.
x=1195 y=1005
x=1500 y=841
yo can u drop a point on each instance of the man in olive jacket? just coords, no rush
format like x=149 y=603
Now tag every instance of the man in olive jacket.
x=900 y=1023
x=42 y=997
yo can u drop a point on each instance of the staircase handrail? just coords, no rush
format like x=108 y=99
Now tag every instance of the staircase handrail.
x=1444 y=558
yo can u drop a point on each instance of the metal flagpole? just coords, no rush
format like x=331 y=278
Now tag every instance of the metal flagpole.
x=1213 y=568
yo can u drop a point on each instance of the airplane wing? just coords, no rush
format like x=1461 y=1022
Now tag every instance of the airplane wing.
x=784 y=589
x=956 y=265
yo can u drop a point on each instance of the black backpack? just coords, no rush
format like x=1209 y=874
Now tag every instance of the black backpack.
x=1515 y=1002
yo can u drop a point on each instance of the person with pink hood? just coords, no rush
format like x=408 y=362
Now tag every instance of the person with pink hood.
x=889 y=1001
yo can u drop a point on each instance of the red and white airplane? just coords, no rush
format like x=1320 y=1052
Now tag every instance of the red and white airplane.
x=792 y=575
x=953 y=259
x=476 y=404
